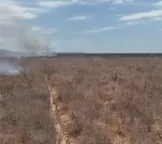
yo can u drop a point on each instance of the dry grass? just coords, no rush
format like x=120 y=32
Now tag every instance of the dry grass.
x=26 y=114
x=115 y=100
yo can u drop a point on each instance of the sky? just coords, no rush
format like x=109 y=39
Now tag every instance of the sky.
x=99 y=26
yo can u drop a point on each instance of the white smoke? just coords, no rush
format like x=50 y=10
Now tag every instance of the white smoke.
x=9 y=69
x=19 y=37
x=16 y=34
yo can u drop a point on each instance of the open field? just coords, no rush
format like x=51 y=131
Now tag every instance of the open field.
x=113 y=100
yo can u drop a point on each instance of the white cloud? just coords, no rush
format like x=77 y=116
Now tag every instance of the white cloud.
x=51 y=31
x=36 y=28
x=110 y=1
x=121 y=1
x=99 y=30
x=128 y=24
x=65 y=41
x=158 y=3
x=59 y=3
x=131 y=23
x=10 y=8
x=76 y=18
x=56 y=4
x=118 y=26
x=142 y=15
x=157 y=19
x=42 y=30
x=112 y=8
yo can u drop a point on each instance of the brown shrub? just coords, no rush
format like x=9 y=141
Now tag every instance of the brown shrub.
x=115 y=100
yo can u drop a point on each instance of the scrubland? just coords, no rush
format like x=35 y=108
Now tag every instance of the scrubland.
x=115 y=100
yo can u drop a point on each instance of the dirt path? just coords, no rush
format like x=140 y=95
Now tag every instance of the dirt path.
x=66 y=126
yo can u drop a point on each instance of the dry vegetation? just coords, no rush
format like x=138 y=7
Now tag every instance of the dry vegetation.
x=114 y=100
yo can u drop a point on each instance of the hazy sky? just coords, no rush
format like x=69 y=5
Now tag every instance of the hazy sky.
x=92 y=25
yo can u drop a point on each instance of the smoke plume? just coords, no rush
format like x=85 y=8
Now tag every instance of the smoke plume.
x=19 y=37
x=9 y=69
